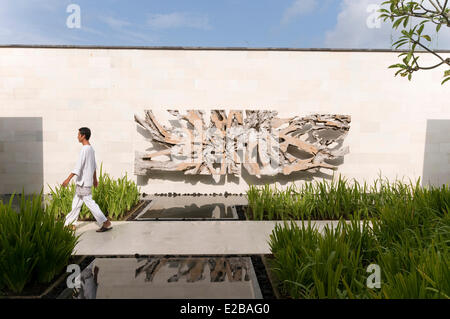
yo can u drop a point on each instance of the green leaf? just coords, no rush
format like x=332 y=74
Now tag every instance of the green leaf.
x=394 y=66
x=403 y=42
x=397 y=23
x=405 y=23
x=445 y=80
x=427 y=37
x=408 y=57
x=421 y=29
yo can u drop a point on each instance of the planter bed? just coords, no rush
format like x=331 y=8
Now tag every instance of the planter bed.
x=407 y=241
x=266 y=283
x=54 y=288
x=273 y=282
x=243 y=211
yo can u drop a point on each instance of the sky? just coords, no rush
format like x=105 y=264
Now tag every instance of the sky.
x=202 y=23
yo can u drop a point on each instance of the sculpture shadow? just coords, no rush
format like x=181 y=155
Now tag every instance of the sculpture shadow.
x=179 y=177
x=284 y=179
x=230 y=178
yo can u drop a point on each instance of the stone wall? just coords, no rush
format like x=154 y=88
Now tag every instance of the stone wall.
x=398 y=128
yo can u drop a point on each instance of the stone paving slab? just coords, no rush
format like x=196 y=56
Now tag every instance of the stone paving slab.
x=179 y=237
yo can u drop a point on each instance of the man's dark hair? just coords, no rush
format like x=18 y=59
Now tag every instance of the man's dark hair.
x=86 y=132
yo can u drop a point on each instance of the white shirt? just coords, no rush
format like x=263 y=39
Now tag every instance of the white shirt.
x=85 y=166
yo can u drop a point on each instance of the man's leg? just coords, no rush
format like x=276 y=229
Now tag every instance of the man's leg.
x=72 y=217
x=95 y=210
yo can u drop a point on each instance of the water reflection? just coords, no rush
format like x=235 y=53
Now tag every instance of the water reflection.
x=89 y=283
x=194 y=269
x=177 y=277
x=190 y=207
x=191 y=211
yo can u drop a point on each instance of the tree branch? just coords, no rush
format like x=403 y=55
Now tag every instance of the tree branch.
x=399 y=13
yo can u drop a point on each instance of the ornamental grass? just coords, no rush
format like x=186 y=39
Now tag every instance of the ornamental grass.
x=34 y=245
x=115 y=197
x=335 y=200
x=407 y=234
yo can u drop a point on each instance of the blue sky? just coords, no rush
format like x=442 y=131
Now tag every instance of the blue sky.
x=224 y=23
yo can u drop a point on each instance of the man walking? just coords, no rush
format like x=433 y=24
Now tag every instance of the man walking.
x=85 y=170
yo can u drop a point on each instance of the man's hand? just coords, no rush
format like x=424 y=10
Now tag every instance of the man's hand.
x=64 y=184
x=67 y=181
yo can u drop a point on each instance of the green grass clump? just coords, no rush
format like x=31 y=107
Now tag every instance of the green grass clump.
x=333 y=265
x=114 y=197
x=335 y=200
x=408 y=238
x=34 y=246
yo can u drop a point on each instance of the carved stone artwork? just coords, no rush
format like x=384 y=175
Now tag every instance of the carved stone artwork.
x=263 y=143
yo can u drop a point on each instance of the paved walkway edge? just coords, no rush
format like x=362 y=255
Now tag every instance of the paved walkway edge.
x=180 y=237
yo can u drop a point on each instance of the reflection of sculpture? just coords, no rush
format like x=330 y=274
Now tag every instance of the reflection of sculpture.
x=232 y=267
x=193 y=269
x=150 y=268
x=217 y=210
x=262 y=142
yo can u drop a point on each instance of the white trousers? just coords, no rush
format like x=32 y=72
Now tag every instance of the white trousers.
x=90 y=203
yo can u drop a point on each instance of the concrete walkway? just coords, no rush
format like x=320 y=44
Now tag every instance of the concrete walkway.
x=179 y=237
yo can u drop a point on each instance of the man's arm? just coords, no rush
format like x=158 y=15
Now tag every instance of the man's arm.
x=95 y=174
x=76 y=170
x=95 y=178
x=67 y=181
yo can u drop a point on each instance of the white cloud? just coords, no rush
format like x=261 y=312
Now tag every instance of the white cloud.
x=36 y=22
x=18 y=22
x=351 y=30
x=178 y=19
x=114 y=22
x=124 y=31
x=138 y=37
x=298 y=8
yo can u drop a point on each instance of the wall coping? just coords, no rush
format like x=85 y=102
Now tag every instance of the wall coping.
x=45 y=46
